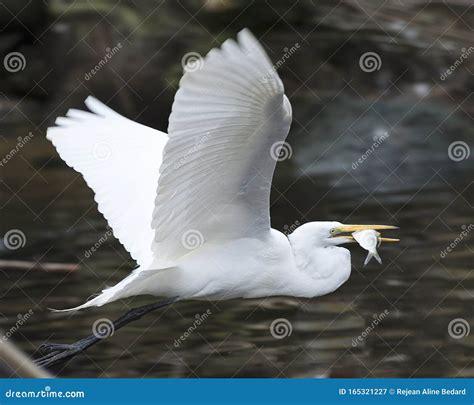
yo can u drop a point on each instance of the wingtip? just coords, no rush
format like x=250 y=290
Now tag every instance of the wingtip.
x=99 y=108
x=62 y=122
x=245 y=35
x=59 y=310
x=49 y=134
x=251 y=44
x=74 y=309
x=90 y=99
x=245 y=31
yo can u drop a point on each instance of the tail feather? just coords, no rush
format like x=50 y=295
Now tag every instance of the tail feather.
x=98 y=301
x=136 y=283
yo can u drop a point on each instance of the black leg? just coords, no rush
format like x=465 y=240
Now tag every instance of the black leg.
x=58 y=353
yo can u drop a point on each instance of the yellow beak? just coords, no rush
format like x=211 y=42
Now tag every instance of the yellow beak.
x=355 y=228
x=389 y=240
x=380 y=239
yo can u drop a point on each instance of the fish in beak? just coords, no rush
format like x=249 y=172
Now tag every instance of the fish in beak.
x=349 y=229
x=366 y=236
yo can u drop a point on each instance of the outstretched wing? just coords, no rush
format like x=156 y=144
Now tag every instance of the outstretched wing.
x=228 y=121
x=120 y=161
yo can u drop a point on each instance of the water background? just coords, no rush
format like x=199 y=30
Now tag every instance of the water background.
x=339 y=111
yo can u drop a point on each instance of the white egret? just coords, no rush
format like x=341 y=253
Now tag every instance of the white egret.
x=192 y=206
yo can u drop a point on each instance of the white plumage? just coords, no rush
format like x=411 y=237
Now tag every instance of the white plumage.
x=192 y=207
x=120 y=161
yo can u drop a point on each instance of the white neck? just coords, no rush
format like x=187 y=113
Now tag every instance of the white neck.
x=321 y=269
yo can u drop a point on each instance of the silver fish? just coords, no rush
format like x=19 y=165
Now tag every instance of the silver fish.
x=369 y=240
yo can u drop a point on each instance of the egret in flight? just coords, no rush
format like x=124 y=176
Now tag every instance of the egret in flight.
x=192 y=206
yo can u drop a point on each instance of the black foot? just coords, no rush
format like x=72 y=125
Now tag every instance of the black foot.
x=50 y=347
x=58 y=352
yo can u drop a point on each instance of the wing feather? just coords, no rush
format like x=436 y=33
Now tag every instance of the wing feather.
x=217 y=168
x=120 y=161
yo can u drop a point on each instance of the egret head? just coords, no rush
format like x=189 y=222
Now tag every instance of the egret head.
x=317 y=255
x=331 y=233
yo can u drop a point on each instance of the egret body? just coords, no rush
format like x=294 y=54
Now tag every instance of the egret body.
x=193 y=206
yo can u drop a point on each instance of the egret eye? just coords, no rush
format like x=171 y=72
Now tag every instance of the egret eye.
x=332 y=231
